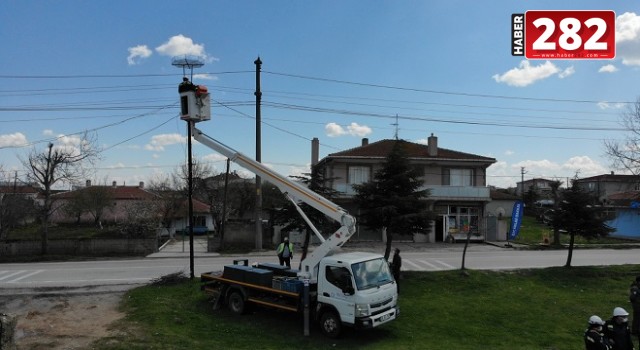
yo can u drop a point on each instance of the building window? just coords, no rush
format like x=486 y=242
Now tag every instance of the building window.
x=463 y=220
x=199 y=221
x=359 y=175
x=457 y=177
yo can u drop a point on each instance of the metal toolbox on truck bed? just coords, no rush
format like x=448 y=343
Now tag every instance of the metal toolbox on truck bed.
x=248 y=274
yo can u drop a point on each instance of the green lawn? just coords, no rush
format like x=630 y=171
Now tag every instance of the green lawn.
x=533 y=231
x=527 y=309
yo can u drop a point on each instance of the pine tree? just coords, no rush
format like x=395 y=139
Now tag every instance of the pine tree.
x=394 y=201
x=578 y=215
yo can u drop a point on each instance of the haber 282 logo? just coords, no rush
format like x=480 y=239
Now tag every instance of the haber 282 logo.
x=564 y=34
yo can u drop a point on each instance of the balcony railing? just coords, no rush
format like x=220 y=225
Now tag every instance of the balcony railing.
x=437 y=192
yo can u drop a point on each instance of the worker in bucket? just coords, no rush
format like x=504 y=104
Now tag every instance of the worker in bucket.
x=593 y=337
x=285 y=252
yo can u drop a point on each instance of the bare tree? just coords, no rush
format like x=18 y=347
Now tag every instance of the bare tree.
x=56 y=164
x=626 y=154
x=169 y=199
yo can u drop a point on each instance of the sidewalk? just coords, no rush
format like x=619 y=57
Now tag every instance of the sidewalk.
x=180 y=248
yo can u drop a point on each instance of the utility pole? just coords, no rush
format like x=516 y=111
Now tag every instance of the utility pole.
x=522 y=172
x=258 y=215
x=187 y=85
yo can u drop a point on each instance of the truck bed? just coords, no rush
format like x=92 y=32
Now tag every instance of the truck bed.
x=216 y=285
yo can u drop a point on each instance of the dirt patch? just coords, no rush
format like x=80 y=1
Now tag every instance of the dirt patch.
x=61 y=322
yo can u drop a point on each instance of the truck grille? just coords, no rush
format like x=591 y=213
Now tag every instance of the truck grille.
x=381 y=304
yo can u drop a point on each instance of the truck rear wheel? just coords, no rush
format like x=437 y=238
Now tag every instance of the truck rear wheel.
x=236 y=303
x=330 y=324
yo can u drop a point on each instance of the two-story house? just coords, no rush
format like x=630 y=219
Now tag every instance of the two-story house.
x=602 y=186
x=540 y=185
x=456 y=180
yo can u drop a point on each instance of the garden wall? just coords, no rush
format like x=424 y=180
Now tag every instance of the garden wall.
x=81 y=247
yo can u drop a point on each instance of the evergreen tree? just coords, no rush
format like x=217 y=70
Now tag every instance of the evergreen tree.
x=393 y=201
x=578 y=215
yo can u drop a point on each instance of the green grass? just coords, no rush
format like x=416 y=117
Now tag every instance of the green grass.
x=533 y=231
x=527 y=309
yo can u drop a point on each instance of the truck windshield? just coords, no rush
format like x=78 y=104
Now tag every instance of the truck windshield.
x=371 y=273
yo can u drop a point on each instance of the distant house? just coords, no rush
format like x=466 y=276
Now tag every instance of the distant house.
x=124 y=199
x=540 y=185
x=603 y=186
x=456 y=180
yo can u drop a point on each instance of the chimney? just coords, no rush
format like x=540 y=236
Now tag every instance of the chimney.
x=433 y=146
x=315 y=151
x=114 y=184
x=88 y=183
x=365 y=141
x=141 y=185
x=612 y=172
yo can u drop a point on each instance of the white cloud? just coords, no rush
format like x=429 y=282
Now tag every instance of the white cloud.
x=526 y=74
x=500 y=174
x=628 y=38
x=137 y=53
x=214 y=157
x=607 y=105
x=609 y=68
x=584 y=165
x=180 y=45
x=353 y=129
x=627 y=27
x=159 y=141
x=13 y=140
x=47 y=132
x=334 y=130
x=358 y=130
x=509 y=152
x=422 y=141
x=116 y=166
x=204 y=77
x=567 y=72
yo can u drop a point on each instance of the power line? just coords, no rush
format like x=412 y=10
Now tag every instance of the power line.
x=338 y=81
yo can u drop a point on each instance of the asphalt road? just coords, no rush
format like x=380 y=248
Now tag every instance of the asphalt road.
x=117 y=275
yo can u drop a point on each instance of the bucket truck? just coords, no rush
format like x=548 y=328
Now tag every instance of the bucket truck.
x=336 y=289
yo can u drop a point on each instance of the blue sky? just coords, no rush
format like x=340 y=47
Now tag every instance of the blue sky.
x=339 y=71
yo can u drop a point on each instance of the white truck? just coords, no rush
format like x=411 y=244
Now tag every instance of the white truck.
x=354 y=289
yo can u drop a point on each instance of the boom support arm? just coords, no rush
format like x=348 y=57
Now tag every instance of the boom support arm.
x=296 y=191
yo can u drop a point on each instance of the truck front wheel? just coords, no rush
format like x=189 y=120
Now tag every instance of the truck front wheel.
x=330 y=324
x=236 y=303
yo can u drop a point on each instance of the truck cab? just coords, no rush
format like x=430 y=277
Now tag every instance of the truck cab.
x=355 y=289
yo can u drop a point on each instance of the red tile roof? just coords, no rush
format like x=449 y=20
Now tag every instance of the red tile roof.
x=117 y=192
x=381 y=149
x=19 y=189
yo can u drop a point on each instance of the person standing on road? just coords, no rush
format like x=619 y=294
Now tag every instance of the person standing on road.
x=396 y=264
x=617 y=330
x=634 y=298
x=285 y=252
x=593 y=337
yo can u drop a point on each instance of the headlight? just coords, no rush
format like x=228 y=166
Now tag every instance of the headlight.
x=362 y=310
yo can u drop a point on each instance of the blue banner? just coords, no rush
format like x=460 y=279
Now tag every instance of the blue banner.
x=516 y=219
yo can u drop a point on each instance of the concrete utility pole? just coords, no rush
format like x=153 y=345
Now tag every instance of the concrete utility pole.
x=522 y=172
x=258 y=215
